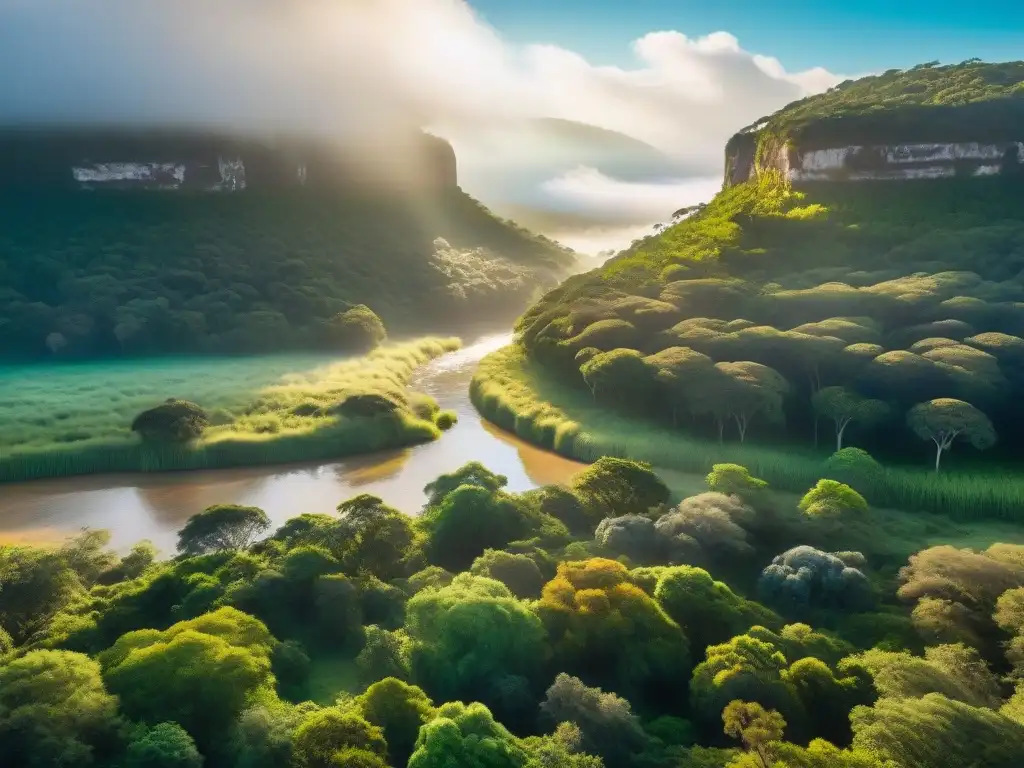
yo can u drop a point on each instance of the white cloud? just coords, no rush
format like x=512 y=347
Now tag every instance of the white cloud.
x=587 y=189
x=332 y=66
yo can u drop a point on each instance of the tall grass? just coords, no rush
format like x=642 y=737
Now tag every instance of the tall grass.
x=67 y=420
x=514 y=393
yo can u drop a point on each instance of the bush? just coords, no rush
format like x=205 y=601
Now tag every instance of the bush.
x=804 y=578
x=174 y=421
x=445 y=420
x=357 y=330
x=830 y=498
x=854 y=466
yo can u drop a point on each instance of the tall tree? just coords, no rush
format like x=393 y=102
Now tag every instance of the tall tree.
x=944 y=421
x=222 y=526
x=844 y=406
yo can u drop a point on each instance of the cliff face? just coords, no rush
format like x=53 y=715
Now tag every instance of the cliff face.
x=877 y=162
x=179 y=160
x=927 y=122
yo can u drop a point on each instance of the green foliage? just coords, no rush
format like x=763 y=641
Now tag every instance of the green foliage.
x=609 y=632
x=357 y=330
x=831 y=498
x=516 y=394
x=473 y=641
x=937 y=732
x=519 y=573
x=843 y=407
x=606 y=723
x=854 y=466
x=472 y=473
x=734 y=480
x=385 y=654
x=955 y=591
x=466 y=735
x=399 y=709
x=611 y=487
x=199 y=673
x=945 y=420
x=174 y=421
x=708 y=611
x=970 y=101
x=472 y=518
x=165 y=745
x=55 y=711
x=755 y=726
x=259 y=271
x=329 y=737
x=223 y=526
x=372 y=536
x=955 y=671
x=34 y=585
x=794 y=672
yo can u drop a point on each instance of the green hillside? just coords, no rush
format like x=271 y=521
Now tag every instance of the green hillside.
x=102 y=273
x=738 y=316
x=972 y=101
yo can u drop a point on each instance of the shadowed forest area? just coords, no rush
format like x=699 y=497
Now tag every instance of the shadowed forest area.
x=106 y=273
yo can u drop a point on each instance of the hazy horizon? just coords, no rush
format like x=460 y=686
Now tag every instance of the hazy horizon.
x=349 y=68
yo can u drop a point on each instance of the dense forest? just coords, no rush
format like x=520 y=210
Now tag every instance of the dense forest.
x=596 y=625
x=886 y=314
x=101 y=273
x=971 y=101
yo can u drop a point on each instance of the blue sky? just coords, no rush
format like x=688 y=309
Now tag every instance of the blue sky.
x=847 y=37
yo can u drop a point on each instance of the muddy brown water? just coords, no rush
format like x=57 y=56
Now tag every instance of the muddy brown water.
x=154 y=506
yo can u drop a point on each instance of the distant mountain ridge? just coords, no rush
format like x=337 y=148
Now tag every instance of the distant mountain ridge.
x=87 y=157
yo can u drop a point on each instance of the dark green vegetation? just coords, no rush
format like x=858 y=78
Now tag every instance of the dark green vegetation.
x=888 y=316
x=114 y=416
x=971 y=101
x=131 y=273
x=598 y=625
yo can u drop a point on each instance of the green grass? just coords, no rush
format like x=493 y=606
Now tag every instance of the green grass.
x=75 y=419
x=513 y=392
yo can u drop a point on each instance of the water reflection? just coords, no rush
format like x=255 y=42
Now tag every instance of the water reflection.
x=135 y=507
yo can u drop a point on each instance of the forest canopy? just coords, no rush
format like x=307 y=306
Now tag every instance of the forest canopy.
x=344 y=641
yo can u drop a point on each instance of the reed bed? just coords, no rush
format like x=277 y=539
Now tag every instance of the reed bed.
x=511 y=391
x=70 y=420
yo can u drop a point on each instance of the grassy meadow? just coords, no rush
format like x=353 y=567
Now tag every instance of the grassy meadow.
x=516 y=394
x=75 y=419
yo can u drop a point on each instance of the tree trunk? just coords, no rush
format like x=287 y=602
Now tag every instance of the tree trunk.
x=741 y=425
x=938 y=454
x=839 y=435
x=721 y=430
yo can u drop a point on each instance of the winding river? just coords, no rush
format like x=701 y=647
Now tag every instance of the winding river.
x=155 y=506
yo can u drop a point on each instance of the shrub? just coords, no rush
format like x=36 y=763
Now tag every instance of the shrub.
x=173 y=421
x=830 y=498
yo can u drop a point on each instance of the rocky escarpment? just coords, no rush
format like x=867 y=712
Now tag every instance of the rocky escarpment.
x=188 y=160
x=928 y=122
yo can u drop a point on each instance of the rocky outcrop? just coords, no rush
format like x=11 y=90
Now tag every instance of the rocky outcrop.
x=90 y=159
x=880 y=162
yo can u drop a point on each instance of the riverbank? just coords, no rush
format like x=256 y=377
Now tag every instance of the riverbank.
x=74 y=420
x=514 y=393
